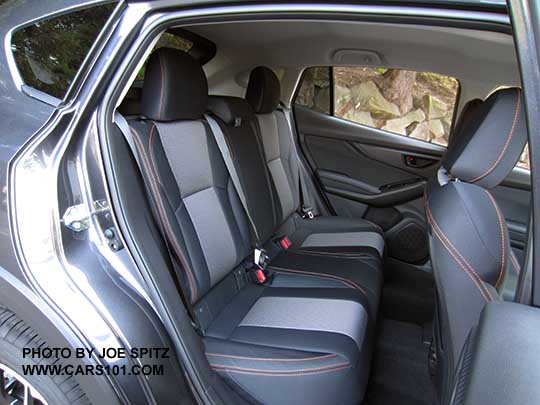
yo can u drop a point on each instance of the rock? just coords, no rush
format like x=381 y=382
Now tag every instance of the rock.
x=322 y=100
x=434 y=107
x=421 y=132
x=306 y=94
x=360 y=117
x=399 y=125
x=322 y=83
x=342 y=95
x=440 y=141
x=367 y=97
x=436 y=128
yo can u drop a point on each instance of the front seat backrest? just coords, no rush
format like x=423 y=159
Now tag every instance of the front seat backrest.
x=469 y=242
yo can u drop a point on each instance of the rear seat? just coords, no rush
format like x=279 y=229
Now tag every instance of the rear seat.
x=293 y=267
x=332 y=234
x=279 y=345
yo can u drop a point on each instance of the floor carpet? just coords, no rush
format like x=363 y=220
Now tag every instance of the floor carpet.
x=399 y=374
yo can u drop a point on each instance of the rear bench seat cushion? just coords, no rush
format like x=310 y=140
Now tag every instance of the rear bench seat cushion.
x=290 y=346
x=336 y=235
x=316 y=269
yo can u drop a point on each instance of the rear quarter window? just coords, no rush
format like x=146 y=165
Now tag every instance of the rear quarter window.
x=49 y=53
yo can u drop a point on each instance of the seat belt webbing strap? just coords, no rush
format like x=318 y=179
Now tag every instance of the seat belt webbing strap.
x=307 y=203
x=219 y=136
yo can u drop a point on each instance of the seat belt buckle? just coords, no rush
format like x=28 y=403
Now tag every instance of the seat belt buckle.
x=307 y=212
x=260 y=258
x=259 y=273
x=285 y=242
x=260 y=276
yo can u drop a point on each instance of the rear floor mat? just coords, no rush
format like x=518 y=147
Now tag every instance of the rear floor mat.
x=408 y=294
x=399 y=372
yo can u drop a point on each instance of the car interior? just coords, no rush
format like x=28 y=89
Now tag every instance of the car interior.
x=336 y=200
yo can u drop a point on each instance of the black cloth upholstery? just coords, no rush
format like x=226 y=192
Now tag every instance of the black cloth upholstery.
x=469 y=242
x=476 y=154
x=333 y=234
x=470 y=255
x=289 y=366
x=360 y=268
x=246 y=153
x=313 y=344
x=230 y=109
x=264 y=91
x=174 y=88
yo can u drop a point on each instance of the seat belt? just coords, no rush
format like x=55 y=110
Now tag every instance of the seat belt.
x=123 y=125
x=260 y=258
x=307 y=204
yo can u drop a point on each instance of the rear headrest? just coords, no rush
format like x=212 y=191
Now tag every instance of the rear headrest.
x=263 y=91
x=490 y=140
x=231 y=110
x=174 y=87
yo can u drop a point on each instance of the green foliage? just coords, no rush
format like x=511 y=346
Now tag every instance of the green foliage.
x=443 y=84
x=49 y=53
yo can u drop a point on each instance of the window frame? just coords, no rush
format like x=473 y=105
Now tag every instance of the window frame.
x=92 y=52
x=332 y=100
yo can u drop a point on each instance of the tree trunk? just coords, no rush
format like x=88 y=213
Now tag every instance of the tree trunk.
x=397 y=87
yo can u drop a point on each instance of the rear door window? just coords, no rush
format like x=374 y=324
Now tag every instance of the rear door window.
x=419 y=105
x=49 y=53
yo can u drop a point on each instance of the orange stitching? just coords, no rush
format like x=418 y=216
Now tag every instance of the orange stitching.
x=507 y=143
x=503 y=239
x=465 y=262
x=228 y=356
x=260 y=370
x=270 y=374
x=348 y=283
x=191 y=282
x=436 y=230
x=331 y=254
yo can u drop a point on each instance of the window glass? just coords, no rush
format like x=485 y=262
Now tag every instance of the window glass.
x=523 y=161
x=49 y=53
x=168 y=40
x=416 y=104
x=314 y=91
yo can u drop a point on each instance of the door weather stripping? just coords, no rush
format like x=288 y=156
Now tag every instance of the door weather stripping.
x=77 y=217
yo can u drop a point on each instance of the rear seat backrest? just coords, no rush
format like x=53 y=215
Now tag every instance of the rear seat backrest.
x=237 y=120
x=195 y=191
x=263 y=94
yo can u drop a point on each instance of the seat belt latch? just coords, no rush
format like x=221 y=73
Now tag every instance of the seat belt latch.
x=285 y=243
x=307 y=212
x=260 y=259
x=259 y=273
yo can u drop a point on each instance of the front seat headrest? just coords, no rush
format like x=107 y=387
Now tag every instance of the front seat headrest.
x=263 y=91
x=490 y=142
x=174 y=88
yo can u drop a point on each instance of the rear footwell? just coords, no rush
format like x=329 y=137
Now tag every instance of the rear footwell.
x=400 y=372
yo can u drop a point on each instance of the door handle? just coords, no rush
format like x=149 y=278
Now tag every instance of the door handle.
x=418 y=162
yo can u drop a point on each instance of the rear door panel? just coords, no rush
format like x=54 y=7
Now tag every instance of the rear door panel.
x=374 y=174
